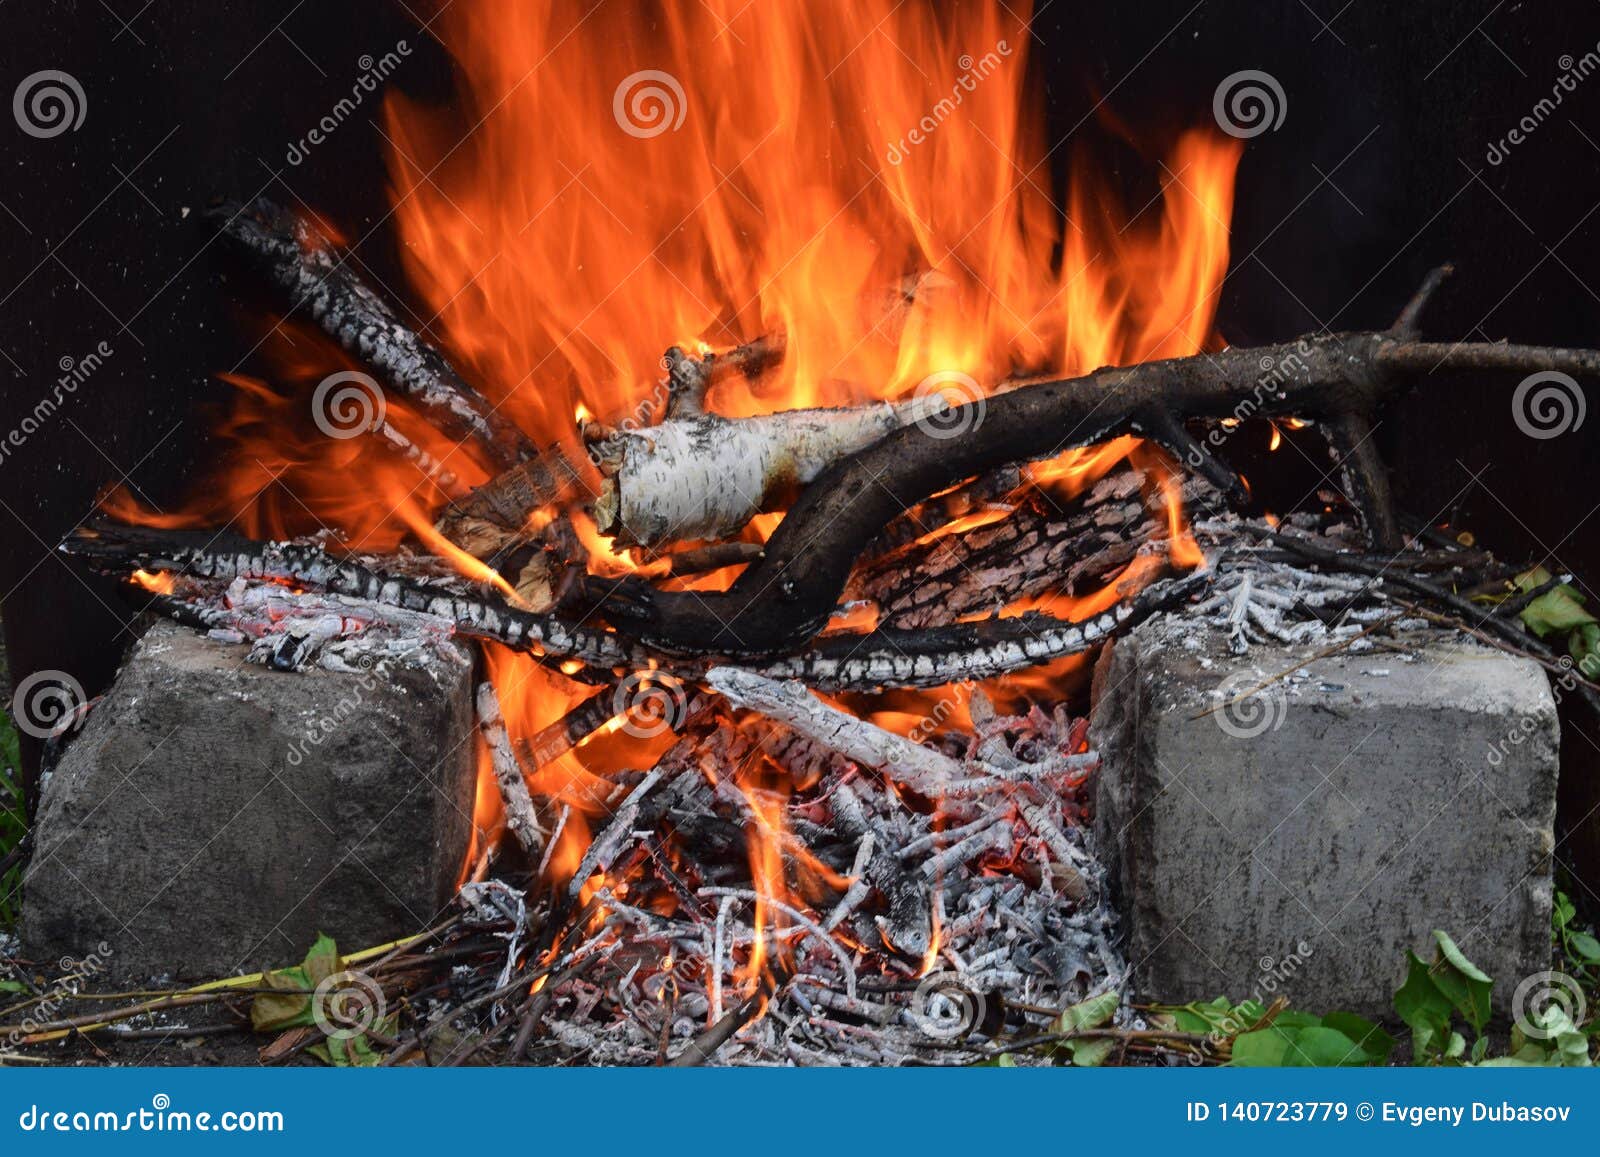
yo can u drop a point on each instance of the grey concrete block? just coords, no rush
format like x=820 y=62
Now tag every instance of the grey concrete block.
x=1301 y=839
x=214 y=816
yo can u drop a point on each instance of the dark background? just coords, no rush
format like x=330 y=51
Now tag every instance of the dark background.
x=1378 y=172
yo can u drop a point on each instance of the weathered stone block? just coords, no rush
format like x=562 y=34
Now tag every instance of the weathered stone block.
x=1300 y=839
x=215 y=815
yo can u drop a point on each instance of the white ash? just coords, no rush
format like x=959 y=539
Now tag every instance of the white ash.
x=1260 y=601
x=1005 y=877
x=293 y=630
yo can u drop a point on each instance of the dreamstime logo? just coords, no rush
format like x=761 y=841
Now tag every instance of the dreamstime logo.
x=650 y=704
x=61 y=994
x=347 y=1004
x=373 y=73
x=649 y=103
x=347 y=404
x=46 y=702
x=963 y=408
x=49 y=103
x=1573 y=73
x=1546 y=1002
x=1249 y=103
x=972 y=73
x=373 y=673
x=74 y=373
x=1249 y=710
x=1548 y=404
x=945 y=1007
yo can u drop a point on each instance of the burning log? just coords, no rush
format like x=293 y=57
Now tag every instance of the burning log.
x=786 y=597
x=302 y=262
x=705 y=477
x=522 y=821
x=560 y=737
x=919 y=768
x=881 y=658
x=119 y=550
x=1033 y=547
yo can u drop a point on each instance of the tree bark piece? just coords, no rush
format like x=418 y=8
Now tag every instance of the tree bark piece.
x=1036 y=548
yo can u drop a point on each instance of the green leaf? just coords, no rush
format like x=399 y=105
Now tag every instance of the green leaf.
x=1375 y=1044
x=1585 y=947
x=1584 y=646
x=1573 y=1049
x=1528 y=1057
x=1530 y=580
x=1324 y=1047
x=1563 y=910
x=1091 y=1053
x=1219 y=1016
x=1090 y=1013
x=1306 y=1046
x=1558 y=609
x=322 y=961
x=1423 y=1007
x=1262 y=1049
x=288 y=1005
x=1465 y=984
x=12 y=986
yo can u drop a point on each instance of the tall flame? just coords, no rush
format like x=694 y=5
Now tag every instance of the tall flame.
x=868 y=178
x=717 y=171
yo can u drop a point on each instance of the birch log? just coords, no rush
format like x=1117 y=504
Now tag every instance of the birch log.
x=919 y=768
x=521 y=818
x=705 y=476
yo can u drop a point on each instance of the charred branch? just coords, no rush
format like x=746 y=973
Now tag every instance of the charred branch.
x=881 y=658
x=521 y=818
x=689 y=378
x=302 y=262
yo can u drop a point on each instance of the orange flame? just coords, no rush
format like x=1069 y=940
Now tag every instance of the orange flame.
x=867 y=178
x=630 y=185
x=161 y=583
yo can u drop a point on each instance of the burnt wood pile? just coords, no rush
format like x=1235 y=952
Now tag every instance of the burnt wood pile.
x=942 y=892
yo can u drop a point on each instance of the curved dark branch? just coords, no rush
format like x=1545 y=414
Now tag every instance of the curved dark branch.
x=785 y=598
